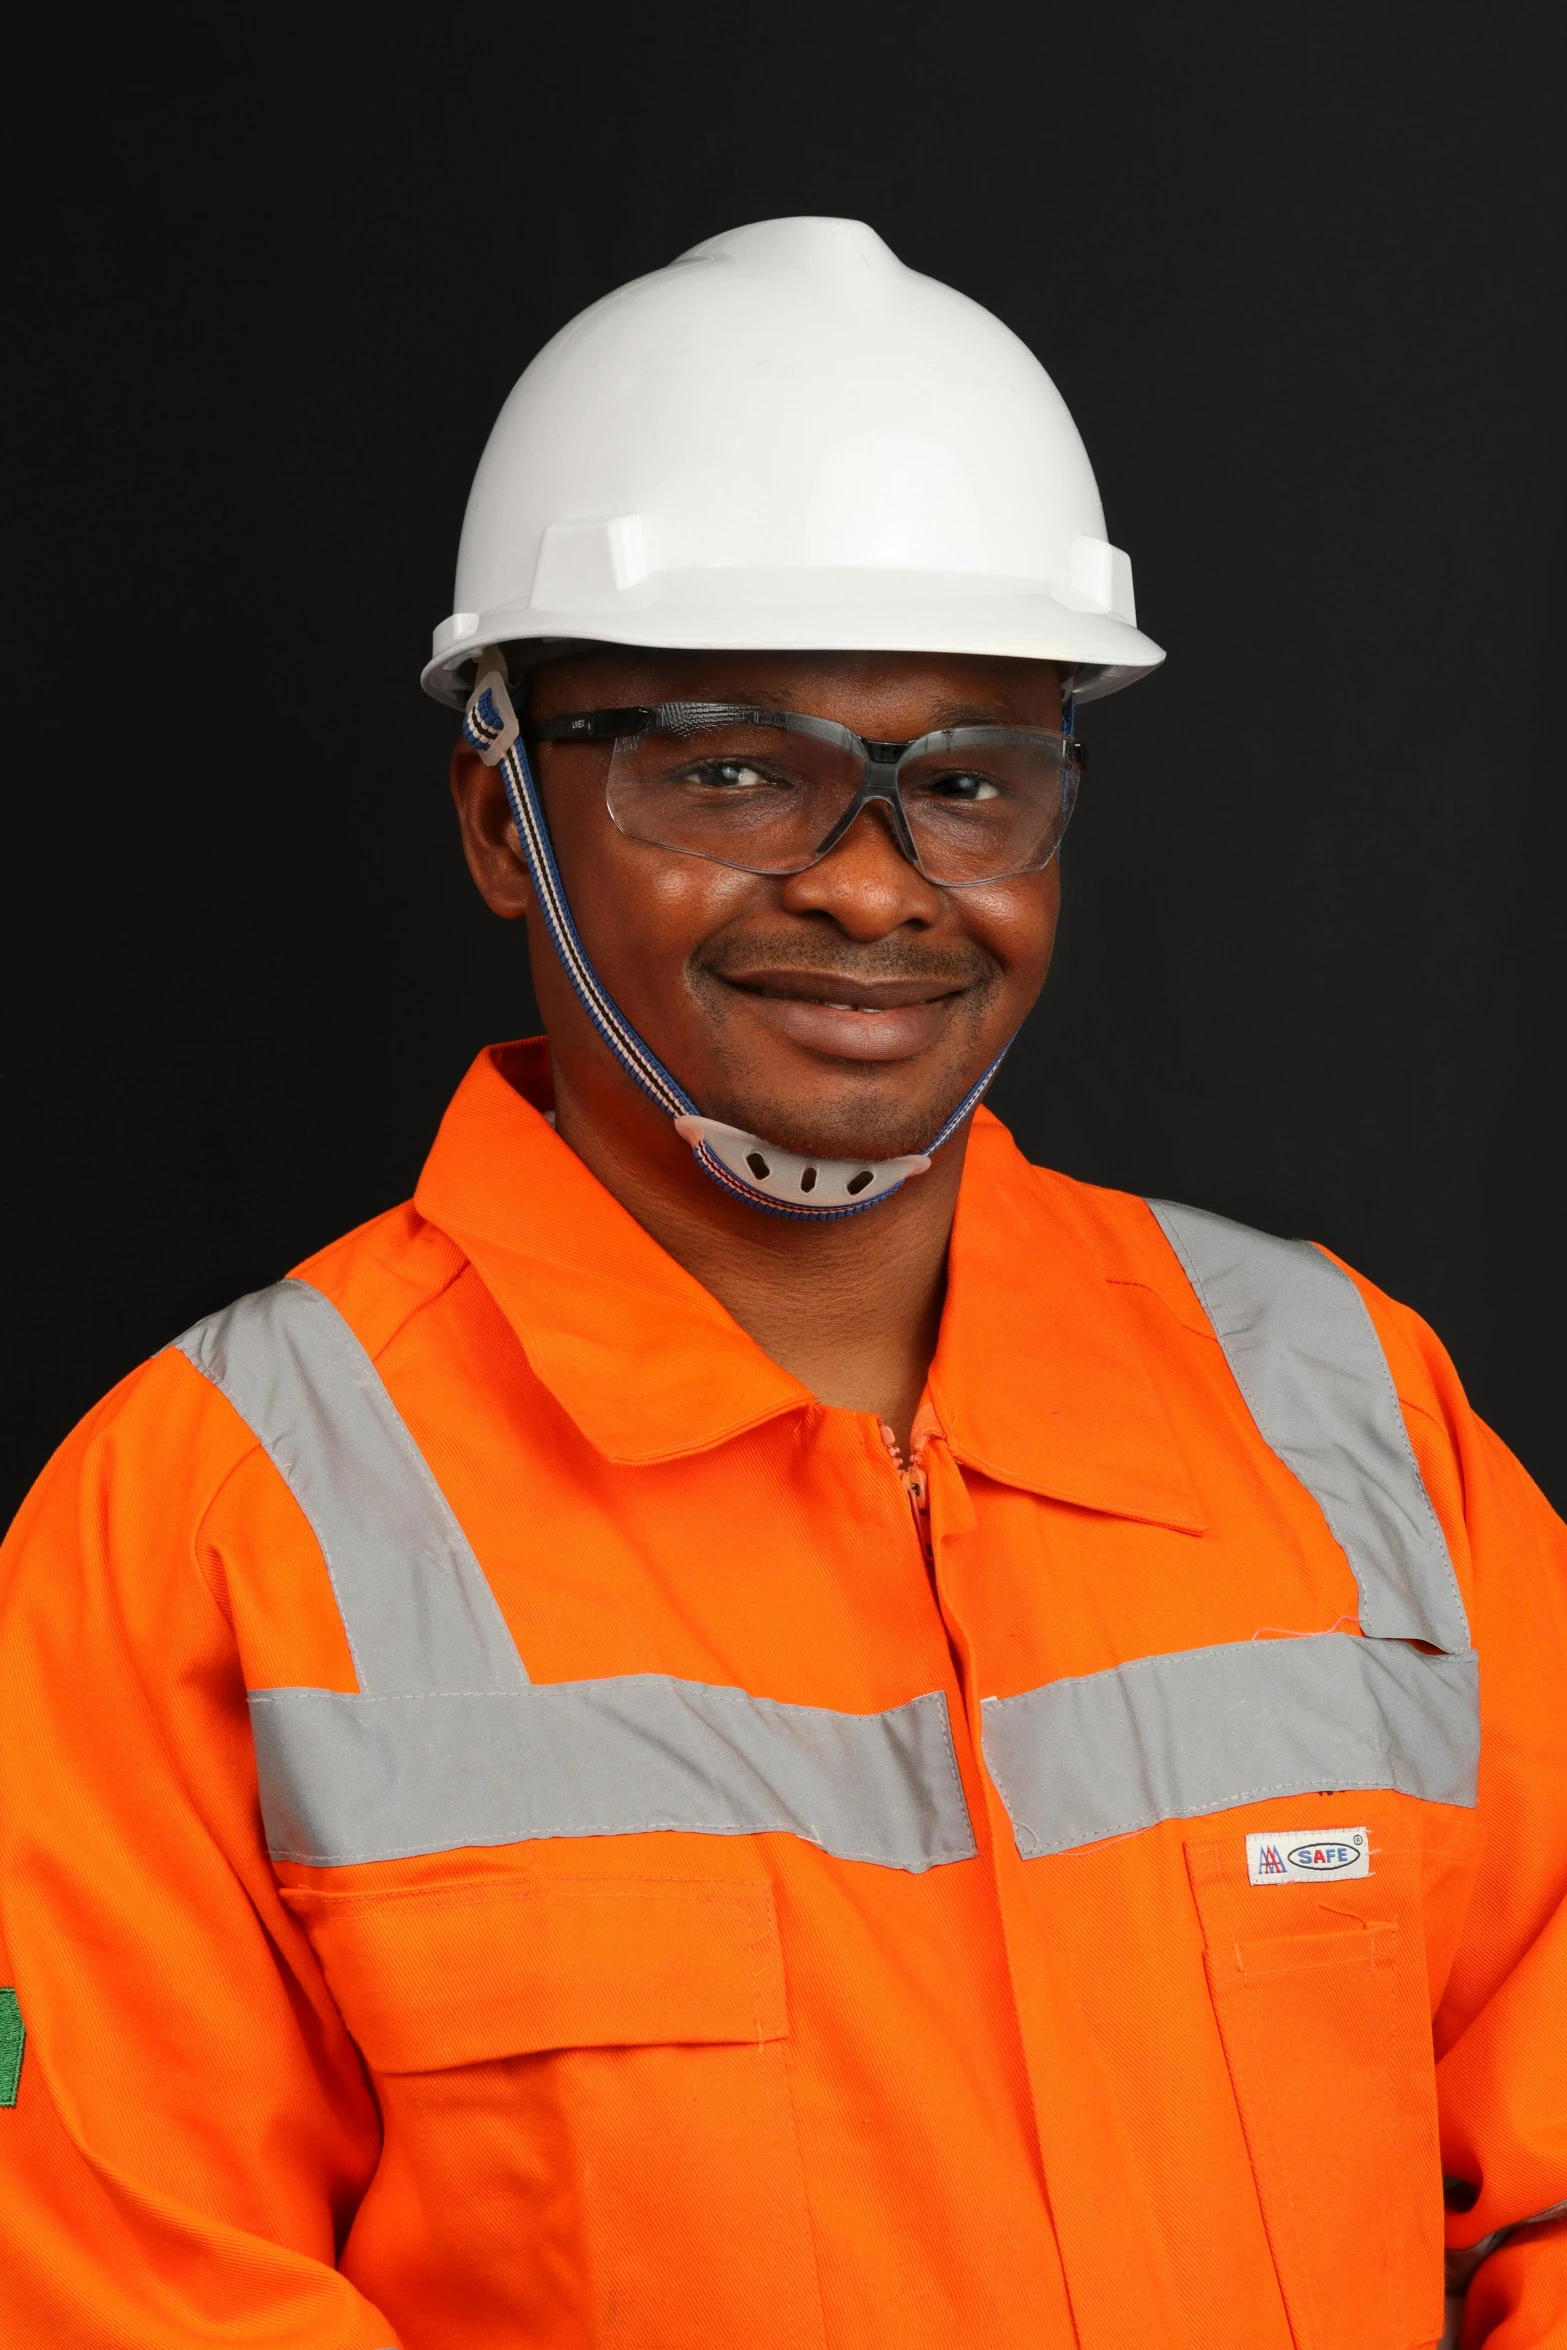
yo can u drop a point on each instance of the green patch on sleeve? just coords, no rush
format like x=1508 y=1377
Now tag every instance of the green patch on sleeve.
x=13 y=2039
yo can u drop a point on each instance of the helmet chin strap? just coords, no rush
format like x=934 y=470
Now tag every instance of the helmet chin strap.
x=782 y=1182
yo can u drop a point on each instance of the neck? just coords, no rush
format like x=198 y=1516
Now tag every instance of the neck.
x=851 y=1309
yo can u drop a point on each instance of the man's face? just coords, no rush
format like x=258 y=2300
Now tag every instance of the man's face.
x=843 y=1011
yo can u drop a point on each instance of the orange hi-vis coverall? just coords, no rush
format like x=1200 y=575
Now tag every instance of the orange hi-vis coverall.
x=521 y=1826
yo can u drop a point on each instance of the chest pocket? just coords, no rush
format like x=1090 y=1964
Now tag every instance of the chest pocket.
x=1323 y=2009
x=597 y=2065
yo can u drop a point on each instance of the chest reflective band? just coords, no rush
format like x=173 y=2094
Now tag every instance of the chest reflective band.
x=446 y=1742
x=1197 y=1731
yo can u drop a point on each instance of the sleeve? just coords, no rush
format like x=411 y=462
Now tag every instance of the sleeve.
x=1501 y=2026
x=185 y=2128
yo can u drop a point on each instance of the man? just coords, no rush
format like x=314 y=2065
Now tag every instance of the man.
x=848 y=1742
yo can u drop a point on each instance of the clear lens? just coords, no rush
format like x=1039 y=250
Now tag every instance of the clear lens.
x=981 y=802
x=760 y=797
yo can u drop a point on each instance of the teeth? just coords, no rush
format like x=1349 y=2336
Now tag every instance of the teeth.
x=825 y=1003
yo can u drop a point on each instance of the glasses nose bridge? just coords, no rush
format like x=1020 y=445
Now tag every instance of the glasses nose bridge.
x=878 y=787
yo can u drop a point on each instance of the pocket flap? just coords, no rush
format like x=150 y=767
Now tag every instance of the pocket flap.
x=455 y=1974
x=1293 y=1955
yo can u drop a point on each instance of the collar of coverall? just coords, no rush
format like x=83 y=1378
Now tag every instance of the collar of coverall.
x=1041 y=1384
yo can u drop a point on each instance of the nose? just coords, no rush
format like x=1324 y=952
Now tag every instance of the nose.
x=865 y=885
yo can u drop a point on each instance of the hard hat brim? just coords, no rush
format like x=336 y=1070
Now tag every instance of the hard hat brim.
x=814 y=611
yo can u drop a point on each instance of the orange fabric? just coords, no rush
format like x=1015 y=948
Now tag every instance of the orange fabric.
x=676 y=2090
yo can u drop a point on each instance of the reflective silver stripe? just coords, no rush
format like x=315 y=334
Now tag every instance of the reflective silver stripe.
x=415 y=1605
x=358 y=1779
x=1177 y=1736
x=1307 y=1359
x=447 y=1743
x=1202 y=1730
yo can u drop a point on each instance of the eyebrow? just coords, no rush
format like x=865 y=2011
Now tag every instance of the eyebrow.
x=950 y=714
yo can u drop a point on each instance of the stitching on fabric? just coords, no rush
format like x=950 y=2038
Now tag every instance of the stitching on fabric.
x=356 y=1358
x=786 y=2080
x=368 y=1697
x=1170 y=1658
x=952 y=1766
x=1384 y=1989
x=1138 y=1514
x=1178 y=1247
x=1035 y=1849
x=176 y=1347
x=1248 y=1396
x=938 y=1857
x=709 y=1689
x=1261 y=2073
x=462 y=1552
x=933 y=1853
x=1201 y=1328
x=937 y=1853
x=467 y=1892
x=1403 y=1438
x=1229 y=1802
x=270 y=1448
x=757 y=1943
x=275 y=1456
x=425 y=1299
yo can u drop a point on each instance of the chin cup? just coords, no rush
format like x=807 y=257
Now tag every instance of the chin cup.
x=760 y=1170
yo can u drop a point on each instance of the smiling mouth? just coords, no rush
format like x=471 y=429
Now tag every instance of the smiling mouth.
x=825 y=1013
x=830 y=995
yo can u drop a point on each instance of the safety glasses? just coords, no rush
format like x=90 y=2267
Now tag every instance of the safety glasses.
x=774 y=791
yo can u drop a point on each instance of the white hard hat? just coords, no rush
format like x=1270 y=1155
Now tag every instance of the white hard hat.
x=786 y=441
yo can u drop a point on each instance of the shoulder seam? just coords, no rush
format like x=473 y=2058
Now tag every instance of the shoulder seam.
x=252 y=1444
x=419 y=1305
x=416 y=1305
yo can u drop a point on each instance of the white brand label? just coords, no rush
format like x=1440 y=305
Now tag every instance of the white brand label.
x=1298 y=1854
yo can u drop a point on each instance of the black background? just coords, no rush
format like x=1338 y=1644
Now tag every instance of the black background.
x=1297 y=274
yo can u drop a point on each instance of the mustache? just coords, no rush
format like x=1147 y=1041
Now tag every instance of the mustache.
x=966 y=965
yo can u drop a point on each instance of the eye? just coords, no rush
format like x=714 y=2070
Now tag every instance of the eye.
x=728 y=775
x=963 y=787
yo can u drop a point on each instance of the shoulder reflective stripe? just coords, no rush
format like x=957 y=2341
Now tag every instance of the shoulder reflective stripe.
x=447 y=1744
x=1178 y=1736
x=415 y=1605
x=356 y=1779
x=1307 y=1359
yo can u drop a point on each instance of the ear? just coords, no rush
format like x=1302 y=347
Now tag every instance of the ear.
x=489 y=837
